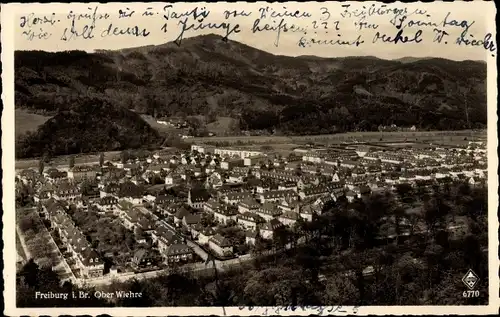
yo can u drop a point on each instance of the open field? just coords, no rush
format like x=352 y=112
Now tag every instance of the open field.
x=159 y=127
x=27 y=121
x=445 y=137
x=60 y=161
x=284 y=144
x=219 y=127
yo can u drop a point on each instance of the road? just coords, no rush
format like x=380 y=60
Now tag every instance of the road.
x=27 y=252
x=61 y=167
x=62 y=264
x=61 y=267
x=410 y=135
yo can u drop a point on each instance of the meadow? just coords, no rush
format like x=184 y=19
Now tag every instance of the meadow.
x=27 y=121
x=444 y=137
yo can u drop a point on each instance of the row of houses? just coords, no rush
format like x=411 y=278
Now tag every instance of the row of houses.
x=87 y=260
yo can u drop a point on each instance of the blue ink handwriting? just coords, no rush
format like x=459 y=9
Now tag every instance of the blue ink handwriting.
x=469 y=40
x=398 y=38
x=267 y=12
x=439 y=35
x=376 y=10
x=303 y=42
x=451 y=22
x=86 y=32
x=282 y=26
x=116 y=31
x=362 y=24
x=40 y=35
x=32 y=20
x=228 y=27
x=196 y=13
x=316 y=310
x=125 y=13
x=148 y=12
x=234 y=13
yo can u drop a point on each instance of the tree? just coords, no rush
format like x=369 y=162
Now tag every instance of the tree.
x=340 y=290
x=275 y=286
x=234 y=126
x=211 y=117
x=405 y=194
x=139 y=233
x=124 y=156
x=41 y=166
x=26 y=224
x=30 y=272
x=101 y=160
x=207 y=219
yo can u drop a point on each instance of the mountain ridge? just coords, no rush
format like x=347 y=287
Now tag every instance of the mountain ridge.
x=262 y=91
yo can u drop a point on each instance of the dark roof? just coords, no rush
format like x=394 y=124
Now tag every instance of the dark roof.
x=250 y=216
x=249 y=203
x=139 y=254
x=130 y=189
x=181 y=213
x=178 y=249
x=251 y=234
x=108 y=200
x=199 y=195
x=290 y=215
x=272 y=225
x=192 y=219
x=82 y=168
x=90 y=257
x=220 y=241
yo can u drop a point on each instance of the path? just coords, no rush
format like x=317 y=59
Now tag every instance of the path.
x=23 y=243
x=62 y=267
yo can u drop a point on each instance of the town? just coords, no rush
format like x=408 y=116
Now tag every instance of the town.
x=151 y=211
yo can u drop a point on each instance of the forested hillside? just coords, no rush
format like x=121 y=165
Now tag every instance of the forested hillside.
x=89 y=125
x=290 y=95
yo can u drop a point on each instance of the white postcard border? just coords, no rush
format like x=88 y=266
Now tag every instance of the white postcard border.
x=9 y=252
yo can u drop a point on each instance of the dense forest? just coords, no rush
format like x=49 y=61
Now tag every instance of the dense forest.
x=289 y=95
x=91 y=125
x=410 y=247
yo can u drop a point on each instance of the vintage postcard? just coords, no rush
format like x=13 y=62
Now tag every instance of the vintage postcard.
x=325 y=158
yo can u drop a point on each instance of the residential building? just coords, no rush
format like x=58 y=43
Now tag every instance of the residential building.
x=173 y=179
x=268 y=229
x=79 y=173
x=197 y=198
x=253 y=160
x=250 y=237
x=225 y=214
x=250 y=220
x=236 y=197
x=220 y=245
x=269 y=211
x=239 y=153
x=231 y=163
x=107 y=204
x=288 y=218
x=130 y=192
x=143 y=258
x=248 y=205
x=276 y=195
x=178 y=253
x=205 y=235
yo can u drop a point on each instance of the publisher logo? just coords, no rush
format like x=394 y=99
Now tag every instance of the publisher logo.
x=470 y=279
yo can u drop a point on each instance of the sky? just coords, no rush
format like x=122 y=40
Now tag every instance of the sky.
x=476 y=18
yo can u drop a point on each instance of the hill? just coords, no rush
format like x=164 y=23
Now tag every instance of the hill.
x=92 y=125
x=291 y=95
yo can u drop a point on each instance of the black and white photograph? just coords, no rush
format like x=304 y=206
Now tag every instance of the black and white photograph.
x=250 y=158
